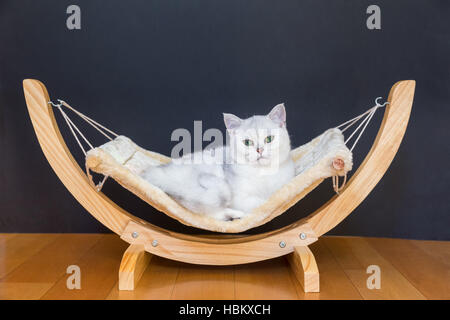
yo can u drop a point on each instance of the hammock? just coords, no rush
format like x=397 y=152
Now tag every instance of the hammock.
x=121 y=159
x=220 y=249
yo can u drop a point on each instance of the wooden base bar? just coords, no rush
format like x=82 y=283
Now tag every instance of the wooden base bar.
x=134 y=262
x=304 y=266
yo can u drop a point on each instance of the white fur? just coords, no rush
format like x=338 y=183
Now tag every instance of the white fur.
x=248 y=175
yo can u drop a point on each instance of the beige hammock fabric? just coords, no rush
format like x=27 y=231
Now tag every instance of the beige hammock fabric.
x=123 y=160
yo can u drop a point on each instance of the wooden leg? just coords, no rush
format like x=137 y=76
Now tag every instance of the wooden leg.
x=304 y=265
x=134 y=262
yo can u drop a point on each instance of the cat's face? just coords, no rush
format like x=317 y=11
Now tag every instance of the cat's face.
x=259 y=140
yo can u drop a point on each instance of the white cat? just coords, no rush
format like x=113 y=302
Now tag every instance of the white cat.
x=254 y=165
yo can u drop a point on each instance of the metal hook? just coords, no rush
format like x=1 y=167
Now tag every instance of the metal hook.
x=378 y=104
x=55 y=105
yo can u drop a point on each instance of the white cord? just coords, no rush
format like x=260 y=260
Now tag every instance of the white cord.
x=367 y=117
x=72 y=126
x=76 y=128
x=92 y=122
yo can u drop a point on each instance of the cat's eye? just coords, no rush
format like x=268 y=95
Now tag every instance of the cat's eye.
x=268 y=139
x=248 y=142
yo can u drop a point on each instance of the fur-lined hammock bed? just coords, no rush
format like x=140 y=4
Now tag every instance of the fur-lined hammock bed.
x=122 y=160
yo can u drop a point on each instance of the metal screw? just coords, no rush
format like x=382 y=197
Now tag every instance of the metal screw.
x=135 y=235
x=154 y=243
x=282 y=244
x=302 y=236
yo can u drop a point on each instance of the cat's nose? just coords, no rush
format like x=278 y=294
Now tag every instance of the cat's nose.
x=260 y=150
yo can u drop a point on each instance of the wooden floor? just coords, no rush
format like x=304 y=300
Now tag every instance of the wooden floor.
x=33 y=266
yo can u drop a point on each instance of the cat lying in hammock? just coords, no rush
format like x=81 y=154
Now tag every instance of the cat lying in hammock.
x=254 y=165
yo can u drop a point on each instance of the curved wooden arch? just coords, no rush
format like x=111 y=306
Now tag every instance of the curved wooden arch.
x=220 y=250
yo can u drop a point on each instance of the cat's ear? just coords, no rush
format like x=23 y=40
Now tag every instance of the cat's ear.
x=278 y=114
x=231 y=121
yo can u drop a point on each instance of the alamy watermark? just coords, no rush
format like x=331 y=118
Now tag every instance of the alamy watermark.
x=374 y=20
x=73 y=21
x=74 y=280
x=374 y=280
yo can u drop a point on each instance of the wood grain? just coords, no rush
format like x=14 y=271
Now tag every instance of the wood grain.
x=222 y=252
x=409 y=270
x=15 y=250
x=51 y=262
x=99 y=268
x=134 y=262
x=204 y=283
x=6 y=236
x=440 y=250
x=355 y=255
x=334 y=283
x=156 y=283
x=304 y=266
x=426 y=264
x=23 y=290
x=265 y=280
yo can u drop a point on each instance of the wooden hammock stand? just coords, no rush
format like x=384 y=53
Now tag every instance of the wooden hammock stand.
x=146 y=239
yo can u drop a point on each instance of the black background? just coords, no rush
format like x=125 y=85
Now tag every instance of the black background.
x=145 y=68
